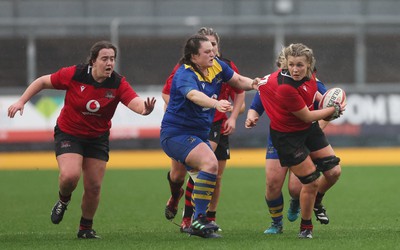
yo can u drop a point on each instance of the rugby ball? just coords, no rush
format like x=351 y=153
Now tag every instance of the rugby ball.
x=332 y=95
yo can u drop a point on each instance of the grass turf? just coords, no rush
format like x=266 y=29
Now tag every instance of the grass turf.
x=363 y=209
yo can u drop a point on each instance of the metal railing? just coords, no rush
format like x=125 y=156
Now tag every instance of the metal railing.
x=277 y=26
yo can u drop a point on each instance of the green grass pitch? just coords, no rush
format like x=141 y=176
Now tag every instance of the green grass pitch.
x=363 y=209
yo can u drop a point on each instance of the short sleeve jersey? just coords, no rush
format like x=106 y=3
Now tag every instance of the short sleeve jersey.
x=281 y=96
x=256 y=104
x=227 y=91
x=184 y=116
x=89 y=105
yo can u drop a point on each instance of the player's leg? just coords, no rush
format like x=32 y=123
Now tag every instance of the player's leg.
x=328 y=164
x=176 y=178
x=69 y=154
x=294 y=153
x=275 y=177
x=308 y=176
x=93 y=173
x=93 y=169
x=196 y=153
x=70 y=165
x=222 y=152
x=188 y=210
x=202 y=158
x=212 y=210
x=294 y=186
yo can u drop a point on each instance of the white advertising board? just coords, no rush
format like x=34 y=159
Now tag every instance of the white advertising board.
x=39 y=118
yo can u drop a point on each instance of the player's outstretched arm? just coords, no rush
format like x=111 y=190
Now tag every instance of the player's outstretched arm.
x=243 y=82
x=35 y=87
x=143 y=107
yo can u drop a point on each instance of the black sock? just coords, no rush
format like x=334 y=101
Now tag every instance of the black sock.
x=85 y=224
x=306 y=224
x=64 y=199
x=174 y=187
x=318 y=199
x=211 y=215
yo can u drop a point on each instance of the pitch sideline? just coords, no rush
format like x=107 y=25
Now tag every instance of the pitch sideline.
x=155 y=159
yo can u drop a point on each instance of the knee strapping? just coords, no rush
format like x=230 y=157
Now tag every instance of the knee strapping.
x=326 y=163
x=309 y=178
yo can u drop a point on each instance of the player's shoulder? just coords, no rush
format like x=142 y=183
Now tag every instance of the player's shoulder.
x=268 y=78
x=225 y=60
x=80 y=71
x=65 y=73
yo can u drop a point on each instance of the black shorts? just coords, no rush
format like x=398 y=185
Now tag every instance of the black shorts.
x=294 y=147
x=222 y=151
x=97 y=148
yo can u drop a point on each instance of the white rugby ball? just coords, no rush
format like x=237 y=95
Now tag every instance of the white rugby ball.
x=332 y=95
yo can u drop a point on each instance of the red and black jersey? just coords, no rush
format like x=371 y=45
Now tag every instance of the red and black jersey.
x=167 y=85
x=281 y=95
x=227 y=91
x=89 y=105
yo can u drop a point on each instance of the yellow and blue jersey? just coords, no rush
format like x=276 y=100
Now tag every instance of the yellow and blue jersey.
x=184 y=116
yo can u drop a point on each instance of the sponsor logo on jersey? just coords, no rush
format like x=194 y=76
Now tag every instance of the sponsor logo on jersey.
x=109 y=95
x=92 y=106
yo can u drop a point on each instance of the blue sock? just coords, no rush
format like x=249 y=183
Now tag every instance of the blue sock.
x=202 y=192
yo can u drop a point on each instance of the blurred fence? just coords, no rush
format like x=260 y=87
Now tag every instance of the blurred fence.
x=359 y=51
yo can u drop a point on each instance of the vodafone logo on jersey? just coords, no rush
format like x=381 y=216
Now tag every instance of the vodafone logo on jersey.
x=92 y=106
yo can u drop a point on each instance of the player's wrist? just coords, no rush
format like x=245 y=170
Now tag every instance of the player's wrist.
x=215 y=105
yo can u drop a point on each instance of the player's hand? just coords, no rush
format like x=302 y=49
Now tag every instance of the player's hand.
x=149 y=105
x=339 y=109
x=223 y=106
x=250 y=122
x=254 y=84
x=229 y=126
x=13 y=109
